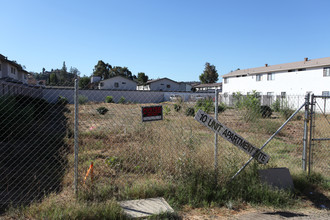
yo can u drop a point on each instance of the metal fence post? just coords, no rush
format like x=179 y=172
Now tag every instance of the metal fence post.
x=216 y=135
x=310 y=134
x=76 y=137
x=304 y=155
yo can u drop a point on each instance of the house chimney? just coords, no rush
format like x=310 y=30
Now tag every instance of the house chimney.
x=266 y=65
x=306 y=59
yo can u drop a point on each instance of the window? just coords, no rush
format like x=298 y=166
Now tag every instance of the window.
x=258 y=77
x=303 y=69
x=168 y=86
x=291 y=70
x=225 y=80
x=101 y=84
x=326 y=71
x=270 y=94
x=270 y=76
x=283 y=94
x=259 y=94
x=12 y=70
x=325 y=93
x=123 y=83
x=116 y=85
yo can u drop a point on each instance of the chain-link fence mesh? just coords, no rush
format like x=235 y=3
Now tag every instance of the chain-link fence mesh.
x=34 y=146
x=320 y=135
x=37 y=140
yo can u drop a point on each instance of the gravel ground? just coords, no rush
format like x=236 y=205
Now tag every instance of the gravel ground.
x=253 y=214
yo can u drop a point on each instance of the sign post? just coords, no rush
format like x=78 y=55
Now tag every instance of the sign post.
x=231 y=136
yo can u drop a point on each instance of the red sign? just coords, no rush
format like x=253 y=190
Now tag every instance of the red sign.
x=152 y=113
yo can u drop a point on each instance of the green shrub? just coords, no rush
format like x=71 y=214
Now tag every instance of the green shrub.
x=237 y=99
x=190 y=111
x=102 y=110
x=250 y=104
x=177 y=107
x=299 y=117
x=166 y=110
x=222 y=107
x=109 y=99
x=114 y=162
x=266 y=111
x=206 y=105
x=61 y=100
x=82 y=99
x=276 y=106
x=122 y=100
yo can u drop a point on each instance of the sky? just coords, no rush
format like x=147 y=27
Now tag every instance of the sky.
x=163 y=38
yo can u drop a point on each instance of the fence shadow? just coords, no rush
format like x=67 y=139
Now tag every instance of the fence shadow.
x=31 y=166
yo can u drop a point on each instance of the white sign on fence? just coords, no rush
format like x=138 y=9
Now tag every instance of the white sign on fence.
x=231 y=136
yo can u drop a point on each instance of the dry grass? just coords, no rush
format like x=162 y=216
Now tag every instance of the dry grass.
x=119 y=143
x=139 y=160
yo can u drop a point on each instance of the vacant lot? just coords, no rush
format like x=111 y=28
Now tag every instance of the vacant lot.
x=173 y=158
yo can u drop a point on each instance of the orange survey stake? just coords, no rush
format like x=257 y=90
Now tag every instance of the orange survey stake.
x=90 y=170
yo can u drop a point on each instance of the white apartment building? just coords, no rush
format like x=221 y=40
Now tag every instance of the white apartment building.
x=286 y=79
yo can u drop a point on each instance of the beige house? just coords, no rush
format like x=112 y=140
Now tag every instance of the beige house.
x=11 y=71
x=165 y=84
x=117 y=83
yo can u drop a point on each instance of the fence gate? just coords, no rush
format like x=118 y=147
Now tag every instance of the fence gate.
x=319 y=136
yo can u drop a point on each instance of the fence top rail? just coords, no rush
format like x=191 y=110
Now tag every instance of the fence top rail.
x=322 y=96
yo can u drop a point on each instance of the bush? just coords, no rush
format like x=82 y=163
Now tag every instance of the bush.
x=237 y=99
x=266 y=111
x=206 y=105
x=61 y=100
x=250 y=104
x=276 y=106
x=166 y=110
x=109 y=99
x=177 y=107
x=102 y=110
x=82 y=99
x=190 y=111
x=222 y=107
x=122 y=100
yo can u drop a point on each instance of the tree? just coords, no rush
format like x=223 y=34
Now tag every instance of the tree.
x=142 y=78
x=53 y=79
x=63 y=74
x=121 y=71
x=83 y=82
x=102 y=69
x=74 y=72
x=210 y=74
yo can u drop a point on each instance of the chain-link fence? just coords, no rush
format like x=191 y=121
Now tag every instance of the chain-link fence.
x=319 y=153
x=117 y=151
x=34 y=145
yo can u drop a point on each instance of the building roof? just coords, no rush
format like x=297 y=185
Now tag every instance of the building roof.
x=208 y=85
x=155 y=80
x=118 y=76
x=306 y=63
x=18 y=66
